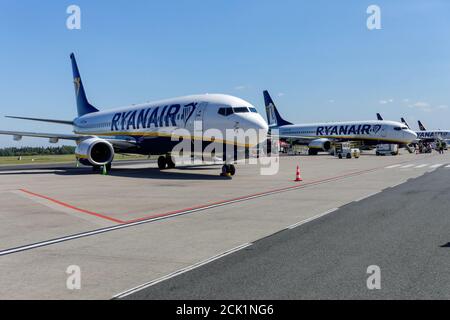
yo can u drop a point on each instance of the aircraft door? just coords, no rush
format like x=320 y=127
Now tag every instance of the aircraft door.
x=383 y=131
x=196 y=121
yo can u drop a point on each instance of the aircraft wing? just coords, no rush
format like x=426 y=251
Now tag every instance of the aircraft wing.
x=284 y=136
x=19 y=134
x=55 y=137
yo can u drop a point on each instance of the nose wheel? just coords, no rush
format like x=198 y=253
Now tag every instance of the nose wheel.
x=228 y=170
x=165 y=162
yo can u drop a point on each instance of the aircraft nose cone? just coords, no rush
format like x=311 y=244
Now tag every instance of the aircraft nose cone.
x=411 y=136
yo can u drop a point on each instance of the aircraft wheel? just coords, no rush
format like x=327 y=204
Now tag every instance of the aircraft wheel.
x=226 y=171
x=170 y=162
x=232 y=169
x=349 y=156
x=162 y=163
x=108 y=166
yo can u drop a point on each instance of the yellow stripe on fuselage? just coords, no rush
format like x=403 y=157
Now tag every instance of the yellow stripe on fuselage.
x=163 y=134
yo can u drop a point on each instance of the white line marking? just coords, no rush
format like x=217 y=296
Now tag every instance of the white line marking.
x=298 y=224
x=179 y=272
x=407 y=166
x=29 y=171
x=394 y=166
x=436 y=166
x=368 y=196
x=422 y=166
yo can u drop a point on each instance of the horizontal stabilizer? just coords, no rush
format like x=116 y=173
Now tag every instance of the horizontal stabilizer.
x=43 y=120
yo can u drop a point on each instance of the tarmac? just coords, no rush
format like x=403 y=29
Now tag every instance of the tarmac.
x=142 y=233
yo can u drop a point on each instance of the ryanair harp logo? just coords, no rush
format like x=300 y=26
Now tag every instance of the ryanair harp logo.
x=376 y=128
x=270 y=109
x=188 y=110
x=77 y=82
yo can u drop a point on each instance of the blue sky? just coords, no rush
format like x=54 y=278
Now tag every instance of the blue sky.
x=317 y=58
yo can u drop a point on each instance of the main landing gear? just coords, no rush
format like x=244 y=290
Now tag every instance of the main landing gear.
x=104 y=169
x=165 y=162
x=228 y=170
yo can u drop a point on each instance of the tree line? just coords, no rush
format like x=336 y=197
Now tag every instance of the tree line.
x=34 y=151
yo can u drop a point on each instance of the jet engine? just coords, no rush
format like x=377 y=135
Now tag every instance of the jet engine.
x=94 y=152
x=320 y=144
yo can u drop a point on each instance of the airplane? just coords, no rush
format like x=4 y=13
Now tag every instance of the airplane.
x=432 y=135
x=149 y=128
x=402 y=120
x=321 y=136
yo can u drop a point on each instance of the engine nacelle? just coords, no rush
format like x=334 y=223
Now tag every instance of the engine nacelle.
x=94 y=152
x=322 y=144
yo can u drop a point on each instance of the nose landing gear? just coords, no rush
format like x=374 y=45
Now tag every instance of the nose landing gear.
x=228 y=170
x=166 y=162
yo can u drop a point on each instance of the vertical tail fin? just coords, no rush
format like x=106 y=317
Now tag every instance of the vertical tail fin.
x=83 y=105
x=379 y=117
x=405 y=123
x=421 y=126
x=273 y=117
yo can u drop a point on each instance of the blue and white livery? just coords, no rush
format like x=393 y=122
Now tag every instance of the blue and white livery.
x=151 y=128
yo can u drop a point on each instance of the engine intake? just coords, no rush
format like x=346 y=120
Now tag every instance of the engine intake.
x=320 y=144
x=94 y=152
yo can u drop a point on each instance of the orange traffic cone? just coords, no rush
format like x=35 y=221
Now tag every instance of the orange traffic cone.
x=297 y=175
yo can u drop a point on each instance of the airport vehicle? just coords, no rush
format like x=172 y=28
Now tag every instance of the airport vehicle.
x=345 y=150
x=320 y=136
x=156 y=128
x=387 y=149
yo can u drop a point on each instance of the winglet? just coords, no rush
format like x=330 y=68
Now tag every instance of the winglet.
x=379 y=117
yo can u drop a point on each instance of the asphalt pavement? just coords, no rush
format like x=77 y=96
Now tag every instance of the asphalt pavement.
x=403 y=230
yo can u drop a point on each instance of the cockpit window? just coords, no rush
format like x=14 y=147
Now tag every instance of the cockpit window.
x=398 y=128
x=240 y=110
x=253 y=110
x=404 y=128
x=225 y=111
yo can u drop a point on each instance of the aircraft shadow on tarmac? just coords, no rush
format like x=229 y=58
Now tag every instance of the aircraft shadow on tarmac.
x=447 y=245
x=181 y=173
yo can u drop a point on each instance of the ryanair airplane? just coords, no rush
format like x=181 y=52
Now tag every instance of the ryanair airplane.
x=320 y=136
x=149 y=128
x=432 y=135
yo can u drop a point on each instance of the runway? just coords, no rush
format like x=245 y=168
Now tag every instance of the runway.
x=405 y=235
x=139 y=226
